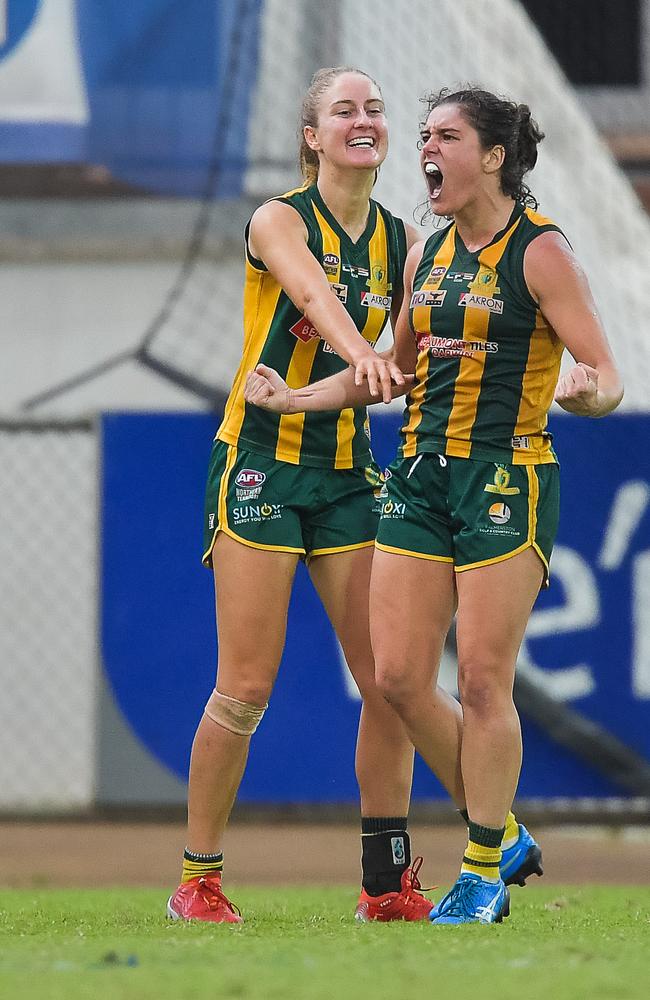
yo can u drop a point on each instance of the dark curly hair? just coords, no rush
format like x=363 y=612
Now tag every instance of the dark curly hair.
x=498 y=122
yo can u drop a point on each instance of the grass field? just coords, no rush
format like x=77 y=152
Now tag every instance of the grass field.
x=591 y=942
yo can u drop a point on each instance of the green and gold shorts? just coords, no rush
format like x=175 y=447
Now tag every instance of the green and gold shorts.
x=289 y=508
x=467 y=512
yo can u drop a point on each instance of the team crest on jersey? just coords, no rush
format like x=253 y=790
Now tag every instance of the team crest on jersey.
x=341 y=291
x=470 y=299
x=500 y=484
x=331 y=262
x=249 y=483
x=430 y=298
x=378 y=274
x=485 y=282
x=373 y=301
x=304 y=330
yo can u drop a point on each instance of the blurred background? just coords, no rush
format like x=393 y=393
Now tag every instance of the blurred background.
x=135 y=141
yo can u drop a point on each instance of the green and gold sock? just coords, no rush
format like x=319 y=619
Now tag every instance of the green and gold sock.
x=483 y=852
x=195 y=865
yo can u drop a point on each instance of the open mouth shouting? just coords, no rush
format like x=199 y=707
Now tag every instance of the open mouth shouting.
x=434 y=179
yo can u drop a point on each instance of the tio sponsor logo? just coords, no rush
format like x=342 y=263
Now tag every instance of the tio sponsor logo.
x=432 y=299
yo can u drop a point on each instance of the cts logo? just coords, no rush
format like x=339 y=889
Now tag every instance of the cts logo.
x=303 y=330
x=249 y=479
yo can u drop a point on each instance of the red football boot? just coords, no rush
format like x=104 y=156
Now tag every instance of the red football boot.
x=407 y=904
x=202 y=899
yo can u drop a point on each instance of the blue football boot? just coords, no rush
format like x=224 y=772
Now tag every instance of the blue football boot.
x=473 y=900
x=521 y=860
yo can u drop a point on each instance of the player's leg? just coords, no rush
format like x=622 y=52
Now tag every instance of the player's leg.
x=253 y=544
x=246 y=672
x=494 y=604
x=384 y=753
x=411 y=607
x=252 y=589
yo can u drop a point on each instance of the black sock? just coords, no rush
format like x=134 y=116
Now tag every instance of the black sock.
x=465 y=815
x=385 y=853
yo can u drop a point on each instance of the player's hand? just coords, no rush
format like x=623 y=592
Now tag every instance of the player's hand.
x=577 y=390
x=380 y=373
x=266 y=389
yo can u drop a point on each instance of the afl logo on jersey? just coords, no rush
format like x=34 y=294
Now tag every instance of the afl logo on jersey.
x=248 y=484
x=331 y=263
x=250 y=478
x=499 y=513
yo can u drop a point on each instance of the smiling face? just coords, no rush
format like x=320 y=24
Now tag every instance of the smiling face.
x=351 y=130
x=455 y=165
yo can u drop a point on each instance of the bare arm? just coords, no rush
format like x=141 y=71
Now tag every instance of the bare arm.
x=593 y=387
x=265 y=388
x=278 y=237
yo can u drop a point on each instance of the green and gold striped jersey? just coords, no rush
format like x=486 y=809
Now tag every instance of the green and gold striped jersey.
x=488 y=362
x=365 y=276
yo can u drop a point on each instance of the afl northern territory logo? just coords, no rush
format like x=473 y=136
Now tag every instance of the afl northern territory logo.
x=248 y=484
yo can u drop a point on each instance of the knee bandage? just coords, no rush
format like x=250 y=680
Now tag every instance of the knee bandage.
x=237 y=716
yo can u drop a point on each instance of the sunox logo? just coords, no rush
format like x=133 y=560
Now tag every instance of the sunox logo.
x=248 y=484
x=481 y=302
x=373 y=301
x=432 y=299
x=303 y=330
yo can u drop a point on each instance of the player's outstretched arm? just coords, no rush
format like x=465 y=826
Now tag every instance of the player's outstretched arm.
x=278 y=238
x=593 y=386
x=266 y=389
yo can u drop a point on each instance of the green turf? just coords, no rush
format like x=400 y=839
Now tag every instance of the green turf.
x=573 y=943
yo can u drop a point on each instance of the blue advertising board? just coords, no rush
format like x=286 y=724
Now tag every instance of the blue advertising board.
x=588 y=640
x=152 y=90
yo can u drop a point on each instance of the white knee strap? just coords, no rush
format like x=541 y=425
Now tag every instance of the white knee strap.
x=236 y=716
